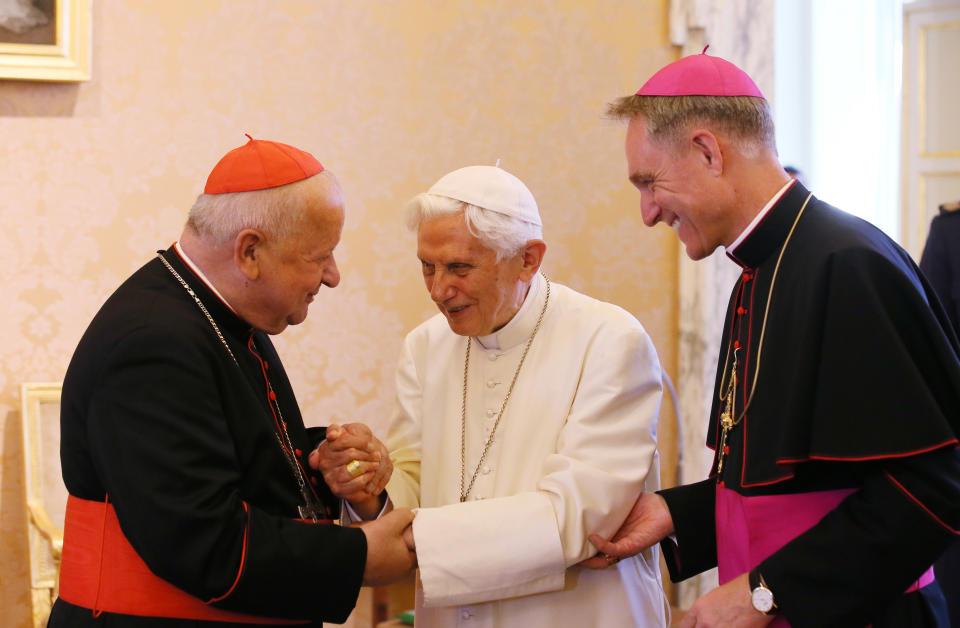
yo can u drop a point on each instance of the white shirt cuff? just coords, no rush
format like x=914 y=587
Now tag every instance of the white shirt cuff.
x=349 y=515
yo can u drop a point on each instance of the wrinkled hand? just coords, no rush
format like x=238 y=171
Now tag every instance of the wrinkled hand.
x=388 y=557
x=648 y=523
x=354 y=441
x=727 y=606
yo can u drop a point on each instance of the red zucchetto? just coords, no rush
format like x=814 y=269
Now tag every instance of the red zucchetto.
x=260 y=164
x=700 y=75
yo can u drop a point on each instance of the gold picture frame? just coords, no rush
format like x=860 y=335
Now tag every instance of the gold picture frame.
x=45 y=496
x=46 y=40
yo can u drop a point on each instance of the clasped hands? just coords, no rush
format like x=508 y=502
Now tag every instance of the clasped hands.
x=648 y=523
x=364 y=486
x=391 y=551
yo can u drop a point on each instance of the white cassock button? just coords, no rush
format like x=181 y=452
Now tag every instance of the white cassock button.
x=485 y=470
x=492 y=356
x=465 y=614
x=491 y=412
x=491 y=383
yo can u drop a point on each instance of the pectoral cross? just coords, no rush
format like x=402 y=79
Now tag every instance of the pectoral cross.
x=728 y=417
x=310 y=512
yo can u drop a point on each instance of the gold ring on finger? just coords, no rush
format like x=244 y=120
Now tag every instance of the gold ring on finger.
x=353 y=468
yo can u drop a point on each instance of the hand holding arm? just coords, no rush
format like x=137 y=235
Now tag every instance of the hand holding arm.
x=389 y=558
x=648 y=523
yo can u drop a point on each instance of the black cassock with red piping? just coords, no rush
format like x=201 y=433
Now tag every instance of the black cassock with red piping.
x=855 y=385
x=188 y=445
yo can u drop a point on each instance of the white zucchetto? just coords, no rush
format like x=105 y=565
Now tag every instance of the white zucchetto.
x=491 y=188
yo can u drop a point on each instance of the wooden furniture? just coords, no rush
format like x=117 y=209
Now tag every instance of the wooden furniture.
x=45 y=494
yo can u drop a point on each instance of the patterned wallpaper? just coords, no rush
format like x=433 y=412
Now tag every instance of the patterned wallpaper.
x=389 y=95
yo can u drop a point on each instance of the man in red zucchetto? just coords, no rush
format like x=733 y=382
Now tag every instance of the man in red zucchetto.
x=191 y=498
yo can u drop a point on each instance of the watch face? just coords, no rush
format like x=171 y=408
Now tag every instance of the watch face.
x=762 y=599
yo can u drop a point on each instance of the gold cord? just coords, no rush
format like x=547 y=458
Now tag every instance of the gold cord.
x=763 y=327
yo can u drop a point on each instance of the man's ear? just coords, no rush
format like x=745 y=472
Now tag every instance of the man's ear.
x=246 y=252
x=533 y=252
x=707 y=150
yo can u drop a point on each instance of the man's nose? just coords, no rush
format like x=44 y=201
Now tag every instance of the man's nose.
x=440 y=287
x=331 y=274
x=649 y=210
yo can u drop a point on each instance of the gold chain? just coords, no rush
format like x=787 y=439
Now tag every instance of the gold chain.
x=464 y=493
x=727 y=391
x=311 y=510
x=763 y=327
x=203 y=308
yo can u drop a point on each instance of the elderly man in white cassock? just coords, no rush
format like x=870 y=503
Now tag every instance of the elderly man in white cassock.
x=525 y=420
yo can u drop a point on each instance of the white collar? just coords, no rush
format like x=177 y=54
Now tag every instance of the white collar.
x=521 y=325
x=199 y=273
x=763 y=212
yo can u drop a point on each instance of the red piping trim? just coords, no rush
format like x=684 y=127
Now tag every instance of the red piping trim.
x=243 y=558
x=919 y=503
x=768 y=482
x=273 y=411
x=733 y=326
x=746 y=373
x=312 y=522
x=863 y=458
x=737 y=260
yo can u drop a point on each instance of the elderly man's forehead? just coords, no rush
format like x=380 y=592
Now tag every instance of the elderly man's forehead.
x=449 y=232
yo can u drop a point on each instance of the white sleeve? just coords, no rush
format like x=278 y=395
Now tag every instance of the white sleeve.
x=404 y=434
x=522 y=544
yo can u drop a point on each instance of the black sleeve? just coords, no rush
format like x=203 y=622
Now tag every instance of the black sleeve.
x=161 y=445
x=317 y=435
x=692 y=508
x=873 y=546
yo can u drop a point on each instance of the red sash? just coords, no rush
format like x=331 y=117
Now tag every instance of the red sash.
x=101 y=571
x=749 y=529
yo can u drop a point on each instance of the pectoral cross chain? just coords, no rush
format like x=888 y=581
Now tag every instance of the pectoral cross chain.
x=728 y=417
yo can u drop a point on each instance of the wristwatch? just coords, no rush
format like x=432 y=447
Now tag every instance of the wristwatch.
x=760 y=595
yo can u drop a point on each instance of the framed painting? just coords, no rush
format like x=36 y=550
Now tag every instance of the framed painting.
x=44 y=492
x=45 y=40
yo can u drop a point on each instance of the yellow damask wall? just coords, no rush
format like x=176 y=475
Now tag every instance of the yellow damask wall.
x=389 y=95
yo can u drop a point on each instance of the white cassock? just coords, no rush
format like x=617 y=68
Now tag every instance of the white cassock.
x=575 y=446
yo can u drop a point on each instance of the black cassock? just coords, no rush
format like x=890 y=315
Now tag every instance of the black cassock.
x=157 y=414
x=940 y=263
x=857 y=387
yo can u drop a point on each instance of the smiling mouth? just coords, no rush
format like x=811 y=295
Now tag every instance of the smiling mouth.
x=455 y=310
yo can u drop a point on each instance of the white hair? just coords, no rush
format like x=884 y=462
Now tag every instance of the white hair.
x=277 y=211
x=504 y=235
